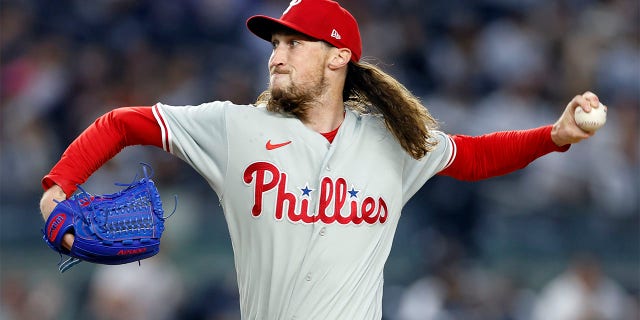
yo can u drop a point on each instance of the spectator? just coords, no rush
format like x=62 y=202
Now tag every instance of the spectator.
x=583 y=292
x=150 y=291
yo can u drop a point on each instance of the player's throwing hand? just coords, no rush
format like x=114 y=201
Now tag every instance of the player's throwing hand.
x=566 y=131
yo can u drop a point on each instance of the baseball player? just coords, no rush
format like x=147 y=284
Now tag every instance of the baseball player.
x=313 y=177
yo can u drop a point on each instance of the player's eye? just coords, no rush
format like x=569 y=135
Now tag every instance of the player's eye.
x=289 y=43
x=294 y=43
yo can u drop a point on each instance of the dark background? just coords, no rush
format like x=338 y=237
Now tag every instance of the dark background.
x=486 y=249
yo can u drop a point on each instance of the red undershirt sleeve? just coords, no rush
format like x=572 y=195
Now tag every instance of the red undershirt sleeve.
x=498 y=153
x=100 y=142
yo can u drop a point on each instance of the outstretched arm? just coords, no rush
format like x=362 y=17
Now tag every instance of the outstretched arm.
x=100 y=142
x=500 y=153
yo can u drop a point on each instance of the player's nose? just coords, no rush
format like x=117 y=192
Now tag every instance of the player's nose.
x=278 y=58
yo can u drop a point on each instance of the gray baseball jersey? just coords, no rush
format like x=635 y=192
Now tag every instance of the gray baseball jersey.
x=311 y=222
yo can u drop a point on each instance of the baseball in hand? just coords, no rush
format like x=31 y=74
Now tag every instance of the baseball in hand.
x=593 y=120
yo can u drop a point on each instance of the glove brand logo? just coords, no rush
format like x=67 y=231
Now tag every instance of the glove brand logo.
x=126 y=252
x=83 y=202
x=54 y=227
x=336 y=204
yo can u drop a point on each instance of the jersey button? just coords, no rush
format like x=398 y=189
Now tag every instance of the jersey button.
x=323 y=231
x=328 y=168
x=308 y=277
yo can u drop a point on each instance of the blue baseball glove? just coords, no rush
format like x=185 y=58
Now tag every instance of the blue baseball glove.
x=109 y=229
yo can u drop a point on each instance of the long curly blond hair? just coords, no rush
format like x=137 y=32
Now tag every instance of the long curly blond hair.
x=369 y=90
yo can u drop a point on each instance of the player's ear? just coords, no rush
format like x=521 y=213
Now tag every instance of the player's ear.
x=339 y=58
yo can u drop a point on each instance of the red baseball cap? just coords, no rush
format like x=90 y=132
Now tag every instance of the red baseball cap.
x=320 y=19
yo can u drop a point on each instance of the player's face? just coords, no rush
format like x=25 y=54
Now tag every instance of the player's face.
x=297 y=66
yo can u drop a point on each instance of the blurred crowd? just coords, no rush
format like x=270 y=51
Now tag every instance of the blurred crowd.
x=542 y=243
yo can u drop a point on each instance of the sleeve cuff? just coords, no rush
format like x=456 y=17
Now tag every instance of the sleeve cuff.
x=551 y=146
x=48 y=181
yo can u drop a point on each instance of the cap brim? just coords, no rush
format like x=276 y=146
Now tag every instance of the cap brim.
x=264 y=26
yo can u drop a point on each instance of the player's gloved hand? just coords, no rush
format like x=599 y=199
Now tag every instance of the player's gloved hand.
x=108 y=229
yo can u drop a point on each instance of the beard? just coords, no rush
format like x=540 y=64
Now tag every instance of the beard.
x=294 y=99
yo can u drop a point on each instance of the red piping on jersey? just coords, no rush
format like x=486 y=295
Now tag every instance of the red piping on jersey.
x=164 y=129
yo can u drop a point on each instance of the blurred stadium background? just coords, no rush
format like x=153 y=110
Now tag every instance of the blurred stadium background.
x=496 y=249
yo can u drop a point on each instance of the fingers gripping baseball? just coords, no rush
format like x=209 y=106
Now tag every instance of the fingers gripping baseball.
x=582 y=117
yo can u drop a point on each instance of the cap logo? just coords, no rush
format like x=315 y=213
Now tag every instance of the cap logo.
x=335 y=34
x=291 y=4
